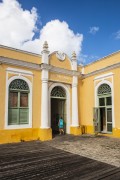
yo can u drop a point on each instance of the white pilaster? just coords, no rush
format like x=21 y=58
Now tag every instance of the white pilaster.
x=44 y=105
x=75 y=121
x=44 y=96
x=74 y=61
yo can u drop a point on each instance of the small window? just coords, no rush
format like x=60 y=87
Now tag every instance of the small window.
x=109 y=115
x=108 y=101
x=109 y=127
x=18 y=110
x=13 y=99
x=23 y=99
x=101 y=101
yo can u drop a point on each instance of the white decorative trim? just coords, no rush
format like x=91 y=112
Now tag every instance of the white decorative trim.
x=8 y=81
x=14 y=70
x=67 y=104
x=103 y=76
x=112 y=90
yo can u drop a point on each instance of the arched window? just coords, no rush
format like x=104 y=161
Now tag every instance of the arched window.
x=58 y=92
x=105 y=108
x=104 y=94
x=18 y=109
x=104 y=89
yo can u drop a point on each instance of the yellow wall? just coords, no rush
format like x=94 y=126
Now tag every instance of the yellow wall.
x=117 y=96
x=28 y=57
x=58 y=63
x=87 y=99
x=109 y=60
x=60 y=78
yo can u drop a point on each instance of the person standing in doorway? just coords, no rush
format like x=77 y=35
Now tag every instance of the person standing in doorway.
x=61 y=126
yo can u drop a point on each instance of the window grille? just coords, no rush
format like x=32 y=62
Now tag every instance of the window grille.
x=104 y=89
x=58 y=92
x=18 y=84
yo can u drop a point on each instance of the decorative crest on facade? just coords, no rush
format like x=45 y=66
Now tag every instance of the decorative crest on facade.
x=60 y=55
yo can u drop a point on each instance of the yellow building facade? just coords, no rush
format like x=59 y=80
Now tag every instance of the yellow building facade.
x=36 y=90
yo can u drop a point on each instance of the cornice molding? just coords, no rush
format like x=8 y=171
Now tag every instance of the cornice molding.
x=20 y=63
x=39 y=67
x=101 y=70
x=60 y=70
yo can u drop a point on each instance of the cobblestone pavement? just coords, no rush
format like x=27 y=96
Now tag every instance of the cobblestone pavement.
x=36 y=160
x=101 y=148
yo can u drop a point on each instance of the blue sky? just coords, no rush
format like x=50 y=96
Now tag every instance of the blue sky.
x=98 y=21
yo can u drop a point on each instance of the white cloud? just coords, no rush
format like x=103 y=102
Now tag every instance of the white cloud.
x=93 y=30
x=59 y=37
x=117 y=35
x=18 y=27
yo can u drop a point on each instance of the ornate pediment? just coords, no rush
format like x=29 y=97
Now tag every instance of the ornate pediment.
x=60 y=55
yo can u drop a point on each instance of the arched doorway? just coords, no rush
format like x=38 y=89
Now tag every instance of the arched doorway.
x=58 y=107
x=104 y=96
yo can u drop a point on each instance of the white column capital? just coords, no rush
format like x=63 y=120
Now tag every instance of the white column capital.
x=45 y=53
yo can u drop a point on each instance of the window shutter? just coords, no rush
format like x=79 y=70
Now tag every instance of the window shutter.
x=96 y=121
x=13 y=116
x=24 y=116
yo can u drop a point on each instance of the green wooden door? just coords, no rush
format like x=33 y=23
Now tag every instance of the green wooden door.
x=96 y=120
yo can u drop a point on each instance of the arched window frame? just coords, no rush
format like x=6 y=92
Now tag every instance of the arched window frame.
x=96 y=90
x=58 y=92
x=29 y=125
x=112 y=94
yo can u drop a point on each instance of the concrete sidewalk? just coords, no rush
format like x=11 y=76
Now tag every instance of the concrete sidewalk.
x=101 y=148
